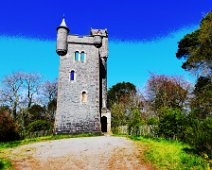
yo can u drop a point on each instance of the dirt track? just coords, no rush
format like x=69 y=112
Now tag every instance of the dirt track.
x=93 y=153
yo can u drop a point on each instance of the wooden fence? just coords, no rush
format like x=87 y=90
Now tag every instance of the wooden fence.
x=144 y=130
x=37 y=134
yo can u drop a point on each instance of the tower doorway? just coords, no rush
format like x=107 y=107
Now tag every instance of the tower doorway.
x=104 y=123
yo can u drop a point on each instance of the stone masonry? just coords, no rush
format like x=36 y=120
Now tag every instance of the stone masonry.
x=82 y=84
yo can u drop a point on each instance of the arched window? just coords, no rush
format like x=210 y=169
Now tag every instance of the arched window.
x=83 y=56
x=77 y=56
x=72 y=76
x=84 y=97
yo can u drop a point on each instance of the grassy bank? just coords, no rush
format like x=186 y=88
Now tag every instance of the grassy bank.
x=4 y=145
x=5 y=164
x=166 y=154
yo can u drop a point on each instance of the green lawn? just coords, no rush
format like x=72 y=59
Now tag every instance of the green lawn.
x=169 y=154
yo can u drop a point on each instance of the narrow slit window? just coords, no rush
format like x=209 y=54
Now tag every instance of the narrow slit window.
x=77 y=56
x=84 y=97
x=83 y=56
x=72 y=76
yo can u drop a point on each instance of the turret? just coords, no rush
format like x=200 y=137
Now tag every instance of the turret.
x=98 y=35
x=62 y=34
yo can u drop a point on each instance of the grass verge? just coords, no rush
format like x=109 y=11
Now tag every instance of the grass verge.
x=5 y=164
x=13 y=144
x=169 y=154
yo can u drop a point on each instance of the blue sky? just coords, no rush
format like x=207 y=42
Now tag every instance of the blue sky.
x=143 y=35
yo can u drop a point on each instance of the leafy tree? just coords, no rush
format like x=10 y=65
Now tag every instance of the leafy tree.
x=135 y=121
x=124 y=99
x=118 y=115
x=121 y=93
x=51 y=110
x=39 y=125
x=36 y=112
x=8 y=128
x=199 y=134
x=163 y=91
x=171 y=123
x=196 y=49
x=201 y=103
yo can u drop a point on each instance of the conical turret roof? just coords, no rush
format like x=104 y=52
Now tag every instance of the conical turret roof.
x=63 y=24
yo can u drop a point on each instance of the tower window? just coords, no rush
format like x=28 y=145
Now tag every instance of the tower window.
x=84 y=97
x=77 y=56
x=72 y=76
x=83 y=56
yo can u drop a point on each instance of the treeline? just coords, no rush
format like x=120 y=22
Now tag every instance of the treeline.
x=27 y=104
x=172 y=106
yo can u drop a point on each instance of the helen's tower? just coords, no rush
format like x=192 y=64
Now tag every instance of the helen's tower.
x=82 y=84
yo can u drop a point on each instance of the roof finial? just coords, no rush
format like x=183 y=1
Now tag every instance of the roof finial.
x=63 y=24
x=64 y=15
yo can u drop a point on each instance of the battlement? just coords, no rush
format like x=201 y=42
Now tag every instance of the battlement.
x=76 y=39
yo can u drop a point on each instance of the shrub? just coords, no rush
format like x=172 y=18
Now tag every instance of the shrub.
x=38 y=125
x=152 y=121
x=134 y=122
x=171 y=123
x=8 y=128
x=199 y=134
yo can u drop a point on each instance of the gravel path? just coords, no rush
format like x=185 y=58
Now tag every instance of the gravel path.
x=91 y=153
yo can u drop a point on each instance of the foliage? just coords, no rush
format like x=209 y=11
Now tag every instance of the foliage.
x=38 y=125
x=36 y=112
x=199 y=134
x=169 y=154
x=135 y=121
x=152 y=121
x=120 y=93
x=163 y=91
x=8 y=128
x=51 y=110
x=5 y=164
x=123 y=98
x=172 y=123
x=196 y=49
x=202 y=100
x=118 y=115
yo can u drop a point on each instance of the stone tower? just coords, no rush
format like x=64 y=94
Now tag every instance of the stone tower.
x=82 y=84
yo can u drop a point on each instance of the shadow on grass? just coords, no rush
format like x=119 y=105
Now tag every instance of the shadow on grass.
x=191 y=151
x=1 y=165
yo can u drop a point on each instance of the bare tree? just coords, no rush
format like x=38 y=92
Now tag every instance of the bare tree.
x=11 y=93
x=50 y=98
x=50 y=90
x=32 y=84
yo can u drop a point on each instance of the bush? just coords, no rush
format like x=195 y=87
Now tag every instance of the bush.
x=152 y=121
x=8 y=128
x=134 y=122
x=172 y=123
x=38 y=125
x=199 y=134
